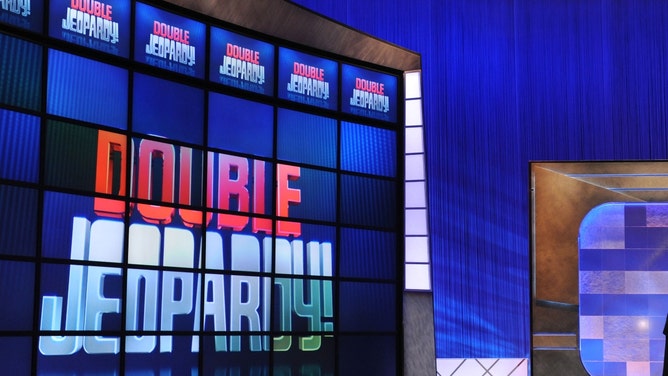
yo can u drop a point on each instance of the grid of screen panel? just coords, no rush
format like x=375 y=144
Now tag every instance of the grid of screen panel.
x=180 y=196
x=623 y=291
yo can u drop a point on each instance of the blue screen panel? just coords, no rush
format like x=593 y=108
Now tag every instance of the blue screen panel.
x=17 y=289
x=367 y=355
x=20 y=73
x=319 y=247
x=167 y=41
x=64 y=289
x=16 y=355
x=368 y=150
x=304 y=306
x=367 y=306
x=26 y=14
x=80 y=363
x=368 y=254
x=18 y=221
x=155 y=363
x=19 y=146
x=241 y=62
x=240 y=185
x=87 y=90
x=167 y=109
x=168 y=173
x=368 y=93
x=66 y=217
x=305 y=138
x=307 y=79
x=314 y=362
x=102 y=26
x=318 y=195
x=240 y=125
x=368 y=202
x=623 y=294
x=311 y=252
x=224 y=362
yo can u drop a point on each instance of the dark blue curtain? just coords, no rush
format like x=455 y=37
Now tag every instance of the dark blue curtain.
x=505 y=83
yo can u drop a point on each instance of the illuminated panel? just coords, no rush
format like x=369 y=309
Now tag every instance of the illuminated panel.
x=369 y=201
x=217 y=362
x=20 y=73
x=241 y=185
x=102 y=26
x=17 y=281
x=307 y=79
x=87 y=90
x=186 y=363
x=321 y=362
x=368 y=93
x=416 y=228
x=18 y=221
x=294 y=182
x=159 y=218
x=169 y=174
x=167 y=41
x=368 y=254
x=19 y=142
x=26 y=14
x=362 y=306
x=240 y=125
x=623 y=288
x=70 y=225
x=167 y=109
x=368 y=150
x=367 y=355
x=19 y=350
x=306 y=138
x=241 y=62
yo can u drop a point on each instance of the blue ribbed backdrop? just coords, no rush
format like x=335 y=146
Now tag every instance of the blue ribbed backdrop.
x=507 y=82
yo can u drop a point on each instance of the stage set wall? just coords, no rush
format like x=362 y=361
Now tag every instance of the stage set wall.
x=506 y=83
x=282 y=21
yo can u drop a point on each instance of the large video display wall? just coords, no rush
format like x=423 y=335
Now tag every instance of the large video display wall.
x=180 y=196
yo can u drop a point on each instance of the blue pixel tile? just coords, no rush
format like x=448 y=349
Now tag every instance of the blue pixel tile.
x=635 y=237
x=591 y=259
x=591 y=349
x=635 y=215
x=637 y=305
x=591 y=304
x=614 y=368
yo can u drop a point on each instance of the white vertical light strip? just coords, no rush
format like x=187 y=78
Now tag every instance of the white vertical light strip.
x=416 y=229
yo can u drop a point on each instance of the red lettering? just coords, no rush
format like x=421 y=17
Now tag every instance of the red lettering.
x=308 y=71
x=241 y=53
x=156 y=169
x=285 y=197
x=232 y=188
x=370 y=86
x=96 y=8
x=171 y=32
x=259 y=224
x=192 y=218
x=110 y=173
x=151 y=152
